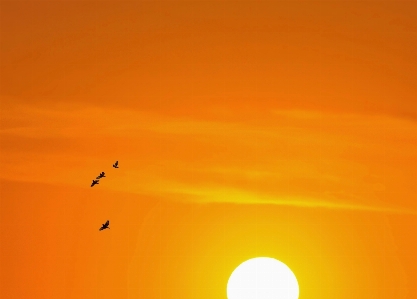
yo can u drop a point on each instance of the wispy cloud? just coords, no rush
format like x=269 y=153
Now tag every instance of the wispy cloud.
x=304 y=153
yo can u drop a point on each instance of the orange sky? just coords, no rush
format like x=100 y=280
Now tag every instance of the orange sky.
x=243 y=129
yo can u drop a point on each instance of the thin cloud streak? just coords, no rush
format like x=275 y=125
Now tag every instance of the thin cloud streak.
x=209 y=196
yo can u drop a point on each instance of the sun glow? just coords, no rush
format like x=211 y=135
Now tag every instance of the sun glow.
x=262 y=278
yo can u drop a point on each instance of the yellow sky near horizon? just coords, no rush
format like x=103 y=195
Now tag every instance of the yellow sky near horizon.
x=284 y=129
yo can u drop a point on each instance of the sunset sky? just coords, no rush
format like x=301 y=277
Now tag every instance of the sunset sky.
x=284 y=129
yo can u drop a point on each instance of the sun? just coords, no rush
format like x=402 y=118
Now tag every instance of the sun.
x=262 y=278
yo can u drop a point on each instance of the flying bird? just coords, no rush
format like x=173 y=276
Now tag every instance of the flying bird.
x=94 y=183
x=105 y=225
x=116 y=165
x=102 y=175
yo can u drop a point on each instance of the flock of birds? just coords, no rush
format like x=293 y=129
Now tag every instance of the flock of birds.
x=95 y=182
x=103 y=175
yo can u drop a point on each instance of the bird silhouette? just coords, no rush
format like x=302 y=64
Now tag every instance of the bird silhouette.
x=94 y=183
x=105 y=225
x=101 y=175
x=116 y=165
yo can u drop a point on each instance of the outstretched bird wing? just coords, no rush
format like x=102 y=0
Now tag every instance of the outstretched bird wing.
x=107 y=223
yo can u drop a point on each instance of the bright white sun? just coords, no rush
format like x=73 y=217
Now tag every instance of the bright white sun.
x=262 y=278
